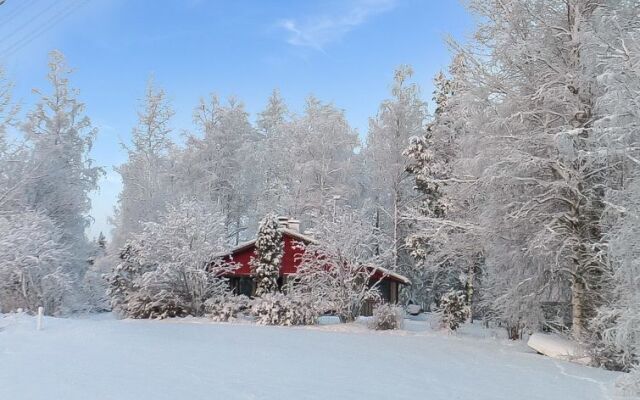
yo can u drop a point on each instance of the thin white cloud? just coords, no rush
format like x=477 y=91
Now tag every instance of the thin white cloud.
x=319 y=30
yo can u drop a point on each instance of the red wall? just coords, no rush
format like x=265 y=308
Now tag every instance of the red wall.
x=290 y=258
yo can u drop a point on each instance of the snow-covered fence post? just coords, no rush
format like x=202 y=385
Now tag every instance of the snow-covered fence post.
x=40 y=314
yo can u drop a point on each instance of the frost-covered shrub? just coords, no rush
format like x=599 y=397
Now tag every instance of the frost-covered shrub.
x=35 y=268
x=629 y=384
x=163 y=304
x=333 y=271
x=225 y=308
x=305 y=309
x=453 y=310
x=609 y=346
x=167 y=270
x=387 y=316
x=280 y=309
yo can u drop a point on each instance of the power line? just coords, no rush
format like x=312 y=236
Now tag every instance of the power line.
x=24 y=5
x=33 y=35
x=32 y=19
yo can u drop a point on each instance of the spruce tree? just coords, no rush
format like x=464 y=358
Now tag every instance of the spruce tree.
x=269 y=250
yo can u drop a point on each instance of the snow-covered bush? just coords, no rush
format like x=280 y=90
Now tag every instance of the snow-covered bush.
x=387 y=316
x=161 y=304
x=269 y=249
x=334 y=271
x=167 y=270
x=305 y=309
x=610 y=346
x=453 y=310
x=281 y=309
x=225 y=308
x=34 y=264
x=629 y=384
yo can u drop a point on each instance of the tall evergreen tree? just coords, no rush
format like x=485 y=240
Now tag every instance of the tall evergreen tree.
x=269 y=250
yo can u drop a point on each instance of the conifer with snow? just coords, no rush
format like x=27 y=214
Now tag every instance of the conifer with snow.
x=387 y=316
x=269 y=249
x=453 y=310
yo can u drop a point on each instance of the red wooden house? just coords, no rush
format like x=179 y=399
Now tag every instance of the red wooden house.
x=242 y=282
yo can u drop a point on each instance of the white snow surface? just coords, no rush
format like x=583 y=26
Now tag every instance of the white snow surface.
x=101 y=357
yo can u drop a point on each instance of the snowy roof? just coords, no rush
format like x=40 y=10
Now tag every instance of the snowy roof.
x=289 y=232
x=391 y=274
x=308 y=239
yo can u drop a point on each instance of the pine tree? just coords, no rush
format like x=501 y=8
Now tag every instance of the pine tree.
x=453 y=310
x=438 y=260
x=269 y=250
x=101 y=241
x=274 y=116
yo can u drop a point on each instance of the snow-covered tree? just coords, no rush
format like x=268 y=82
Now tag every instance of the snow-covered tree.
x=146 y=178
x=62 y=173
x=441 y=245
x=389 y=184
x=93 y=286
x=323 y=150
x=34 y=264
x=276 y=157
x=453 y=310
x=217 y=166
x=8 y=109
x=169 y=268
x=616 y=341
x=274 y=116
x=269 y=250
x=337 y=270
x=15 y=172
x=538 y=196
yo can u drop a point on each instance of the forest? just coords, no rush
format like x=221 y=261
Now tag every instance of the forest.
x=513 y=189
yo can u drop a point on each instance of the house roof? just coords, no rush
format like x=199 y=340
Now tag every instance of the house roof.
x=308 y=239
x=286 y=231
x=391 y=274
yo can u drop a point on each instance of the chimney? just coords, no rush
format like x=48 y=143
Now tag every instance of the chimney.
x=283 y=221
x=294 y=225
x=289 y=223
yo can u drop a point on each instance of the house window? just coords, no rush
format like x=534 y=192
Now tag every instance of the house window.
x=241 y=285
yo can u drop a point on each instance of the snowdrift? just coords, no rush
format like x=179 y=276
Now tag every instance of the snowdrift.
x=556 y=346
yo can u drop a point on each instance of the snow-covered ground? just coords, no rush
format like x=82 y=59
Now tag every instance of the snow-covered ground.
x=105 y=358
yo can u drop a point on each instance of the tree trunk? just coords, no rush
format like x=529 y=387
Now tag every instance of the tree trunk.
x=578 y=291
x=470 y=276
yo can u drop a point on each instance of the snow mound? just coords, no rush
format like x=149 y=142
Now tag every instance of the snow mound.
x=556 y=346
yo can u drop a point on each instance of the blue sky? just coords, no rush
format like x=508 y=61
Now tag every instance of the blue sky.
x=342 y=51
